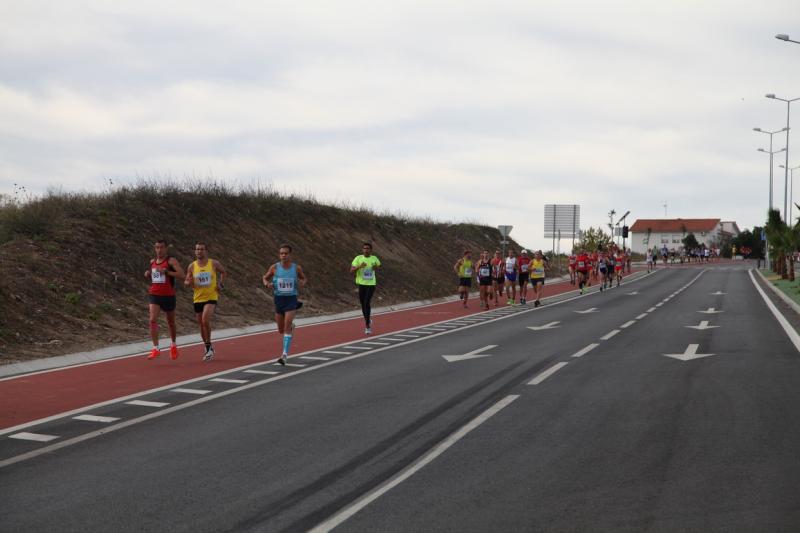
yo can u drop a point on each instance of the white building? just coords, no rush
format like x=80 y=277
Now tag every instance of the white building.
x=646 y=233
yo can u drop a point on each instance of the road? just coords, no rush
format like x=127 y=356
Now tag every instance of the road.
x=613 y=414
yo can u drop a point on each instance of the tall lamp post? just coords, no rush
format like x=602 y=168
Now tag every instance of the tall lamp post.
x=791 y=189
x=786 y=173
x=770 y=152
x=784 y=37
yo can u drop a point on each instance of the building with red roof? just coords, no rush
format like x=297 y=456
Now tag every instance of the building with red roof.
x=669 y=232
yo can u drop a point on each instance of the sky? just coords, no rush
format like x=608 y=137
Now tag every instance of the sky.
x=460 y=111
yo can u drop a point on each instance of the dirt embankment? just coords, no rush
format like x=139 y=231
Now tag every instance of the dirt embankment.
x=73 y=265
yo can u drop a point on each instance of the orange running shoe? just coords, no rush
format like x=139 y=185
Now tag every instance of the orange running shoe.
x=173 y=352
x=155 y=352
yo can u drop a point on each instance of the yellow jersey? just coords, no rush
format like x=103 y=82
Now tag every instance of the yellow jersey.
x=205 y=282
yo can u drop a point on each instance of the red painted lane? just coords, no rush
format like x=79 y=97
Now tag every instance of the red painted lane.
x=31 y=397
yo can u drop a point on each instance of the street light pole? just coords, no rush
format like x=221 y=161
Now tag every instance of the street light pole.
x=791 y=190
x=784 y=37
x=786 y=173
x=770 y=133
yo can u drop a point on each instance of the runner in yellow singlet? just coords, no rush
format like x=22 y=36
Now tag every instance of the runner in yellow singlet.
x=206 y=276
x=538 y=268
x=463 y=268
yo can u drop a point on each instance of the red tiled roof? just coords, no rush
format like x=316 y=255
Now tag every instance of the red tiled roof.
x=674 y=225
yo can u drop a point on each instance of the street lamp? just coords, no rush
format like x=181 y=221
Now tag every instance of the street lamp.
x=786 y=173
x=770 y=133
x=791 y=189
x=784 y=37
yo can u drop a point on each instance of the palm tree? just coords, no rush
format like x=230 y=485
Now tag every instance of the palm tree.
x=779 y=241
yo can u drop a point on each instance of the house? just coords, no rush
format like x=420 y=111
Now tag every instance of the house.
x=646 y=233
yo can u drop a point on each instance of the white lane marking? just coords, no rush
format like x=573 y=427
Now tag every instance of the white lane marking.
x=628 y=324
x=341 y=516
x=144 y=403
x=192 y=391
x=96 y=418
x=408 y=335
x=228 y=380
x=296 y=365
x=37 y=437
x=392 y=339
x=547 y=373
x=703 y=325
x=376 y=343
x=641 y=316
x=585 y=350
x=718 y=293
x=267 y=372
x=711 y=311
x=191 y=403
x=659 y=304
x=591 y=310
x=314 y=358
x=609 y=335
x=650 y=310
x=335 y=352
x=689 y=354
x=790 y=331
x=474 y=354
x=359 y=348
x=549 y=325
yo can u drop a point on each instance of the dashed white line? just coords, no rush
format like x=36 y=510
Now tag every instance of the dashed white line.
x=229 y=380
x=659 y=304
x=334 y=352
x=296 y=365
x=198 y=392
x=609 y=335
x=96 y=418
x=628 y=324
x=359 y=348
x=584 y=351
x=406 y=335
x=547 y=373
x=641 y=316
x=37 y=437
x=144 y=403
x=651 y=310
x=392 y=339
x=376 y=343
x=267 y=372
x=314 y=358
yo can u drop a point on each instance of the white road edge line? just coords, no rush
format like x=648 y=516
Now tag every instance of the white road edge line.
x=790 y=331
x=547 y=373
x=584 y=351
x=340 y=517
x=628 y=324
x=641 y=316
x=171 y=386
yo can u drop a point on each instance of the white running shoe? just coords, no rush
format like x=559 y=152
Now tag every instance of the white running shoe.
x=209 y=355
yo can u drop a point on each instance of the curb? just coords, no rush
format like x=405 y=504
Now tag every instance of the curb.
x=791 y=303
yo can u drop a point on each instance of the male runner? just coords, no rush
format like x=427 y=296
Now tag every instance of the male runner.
x=463 y=268
x=538 y=267
x=284 y=277
x=498 y=278
x=619 y=266
x=485 y=279
x=162 y=273
x=602 y=268
x=206 y=276
x=364 y=266
x=650 y=259
x=572 y=261
x=511 y=270
x=524 y=274
x=582 y=267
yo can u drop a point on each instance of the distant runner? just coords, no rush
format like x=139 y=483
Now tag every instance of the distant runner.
x=582 y=266
x=485 y=279
x=364 y=266
x=619 y=266
x=602 y=269
x=285 y=277
x=538 y=267
x=573 y=260
x=524 y=274
x=511 y=270
x=206 y=276
x=650 y=260
x=162 y=273
x=463 y=269
x=498 y=278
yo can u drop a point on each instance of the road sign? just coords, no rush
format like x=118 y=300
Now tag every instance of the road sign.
x=504 y=230
x=561 y=221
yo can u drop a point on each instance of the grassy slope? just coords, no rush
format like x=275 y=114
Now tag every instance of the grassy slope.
x=73 y=264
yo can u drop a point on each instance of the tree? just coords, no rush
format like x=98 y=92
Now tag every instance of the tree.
x=750 y=240
x=593 y=239
x=690 y=242
x=779 y=236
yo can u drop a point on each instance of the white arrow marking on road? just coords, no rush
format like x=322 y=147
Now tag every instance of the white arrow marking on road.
x=474 y=354
x=551 y=325
x=689 y=354
x=632 y=293
x=592 y=310
x=710 y=311
x=703 y=325
x=718 y=293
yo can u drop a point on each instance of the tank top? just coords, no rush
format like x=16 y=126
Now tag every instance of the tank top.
x=497 y=267
x=161 y=284
x=537 y=268
x=465 y=270
x=205 y=282
x=485 y=269
x=524 y=264
x=285 y=280
x=511 y=264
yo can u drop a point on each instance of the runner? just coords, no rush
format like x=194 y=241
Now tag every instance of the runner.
x=619 y=266
x=206 y=276
x=498 y=278
x=485 y=279
x=463 y=268
x=524 y=273
x=582 y=268
x=602 y=268
x=511 y=270
x=285 y=277
x=538 y=267
x=593 y=267
x=573 y=259
x=628 y=259
x=364 y=266
x=650 y=259
x=162 y=273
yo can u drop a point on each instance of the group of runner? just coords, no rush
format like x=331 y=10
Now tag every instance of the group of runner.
x=206 y=276
x=497 y=276
x=600 y=266
x=683 y=255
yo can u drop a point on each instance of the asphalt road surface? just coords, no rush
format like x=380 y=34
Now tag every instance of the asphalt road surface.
x=613 y=415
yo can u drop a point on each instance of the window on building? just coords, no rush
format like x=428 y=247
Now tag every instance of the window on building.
x=665 y=239
x=676 y=239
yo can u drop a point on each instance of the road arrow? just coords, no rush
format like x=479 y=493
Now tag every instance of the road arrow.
x=592 y=310
x=703 y=325
x=710 y=311
x=689 y=354
x=632 y=293
x=551 y=325
x=718 y=293
x=475 y=354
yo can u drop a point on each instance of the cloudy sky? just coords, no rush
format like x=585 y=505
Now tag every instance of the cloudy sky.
x=477 y=111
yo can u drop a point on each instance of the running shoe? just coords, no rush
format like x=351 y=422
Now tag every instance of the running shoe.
x=282 y=359
x=155 y=352
x=537 y=303
x=209 y=355
x=173 y=352
x=368 y=331
x=509 y=302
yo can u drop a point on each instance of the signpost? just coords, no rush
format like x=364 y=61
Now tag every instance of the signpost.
x=562 y=221
x=504 y=232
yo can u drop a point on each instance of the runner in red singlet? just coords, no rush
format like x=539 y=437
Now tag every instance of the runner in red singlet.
x=573 y=259
x=162 y=273
x=582 y=265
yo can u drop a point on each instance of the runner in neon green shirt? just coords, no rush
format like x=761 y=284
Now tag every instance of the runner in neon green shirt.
x=364 y=266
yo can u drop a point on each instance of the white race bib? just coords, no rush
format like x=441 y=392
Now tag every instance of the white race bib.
x=157 y=277
x=484 y=272
x=538 y=272
x=468 y=271
x=367 y=274
x=284 y=285
x=523 y=268
x=202 y=279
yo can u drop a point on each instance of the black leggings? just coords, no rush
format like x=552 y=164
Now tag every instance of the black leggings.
x=365 y=293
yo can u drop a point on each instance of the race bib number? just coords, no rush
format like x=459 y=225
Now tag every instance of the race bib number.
x=538 y=272
x=581 y=264
x=284 y=285
x=368 y=274
x=202 y=279
x=523 y=268
x=468 y=271
x=484 y=272
x=157 y=276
